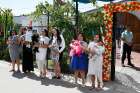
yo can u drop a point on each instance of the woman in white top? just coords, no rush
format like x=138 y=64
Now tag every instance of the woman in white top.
x=57 y=45
x=96 y=51
x=41 y=54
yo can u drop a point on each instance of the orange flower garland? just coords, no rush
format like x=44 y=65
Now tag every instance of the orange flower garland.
x=108 y=15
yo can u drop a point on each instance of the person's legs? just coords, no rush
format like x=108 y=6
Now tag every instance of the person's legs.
x=76 y=76
x=13 y=66
x=82 y=73
x=93 y=80
x=100 y=81
x=58 y=71
x=44 y=71
x=118 y=43
x=129 y=56
x=55 y=69
x=18 y=64
x=44 y=68
x=124 y=53
x=59 y=58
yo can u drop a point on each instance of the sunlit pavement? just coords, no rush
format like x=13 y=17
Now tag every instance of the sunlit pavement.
x=128 y=76
x=31 y=83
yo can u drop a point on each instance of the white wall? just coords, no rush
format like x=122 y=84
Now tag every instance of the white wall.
x=25 y=20
x=136 y=13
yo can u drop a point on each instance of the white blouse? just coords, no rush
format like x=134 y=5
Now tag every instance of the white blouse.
x=41 y=55
x=62 y=45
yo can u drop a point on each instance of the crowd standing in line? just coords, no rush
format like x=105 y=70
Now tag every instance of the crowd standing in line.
x=86 y=59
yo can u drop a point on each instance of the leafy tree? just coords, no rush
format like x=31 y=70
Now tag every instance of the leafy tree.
x=6 y=21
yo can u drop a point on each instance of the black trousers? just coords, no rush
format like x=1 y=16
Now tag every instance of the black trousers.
x=126 y=51
x=27 y=62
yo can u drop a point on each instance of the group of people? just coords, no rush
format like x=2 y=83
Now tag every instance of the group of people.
x=27 y=43
x=86 y=59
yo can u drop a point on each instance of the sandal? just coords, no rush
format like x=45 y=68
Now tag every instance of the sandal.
x=12 y=70
x=91 y=88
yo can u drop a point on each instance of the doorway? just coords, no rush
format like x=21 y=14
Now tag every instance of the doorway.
x=120 y=21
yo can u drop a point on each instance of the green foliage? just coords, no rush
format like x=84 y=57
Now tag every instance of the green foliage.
x=62 y=17
x=4 y=53
x=6 y=21
x=90 y=24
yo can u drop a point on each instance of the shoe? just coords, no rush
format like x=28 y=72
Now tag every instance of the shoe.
x=101 y=86
x=131 y=65
x=92 y=87
x=54 y=77
x=18 y=71
x=123 y=65
x=12 y=70
x=75 y=83
x=25 y=72
x=42 y=77
x=58 y=77
x=83 y=85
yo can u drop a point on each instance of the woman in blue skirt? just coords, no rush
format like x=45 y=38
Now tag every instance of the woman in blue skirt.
x=79 y=61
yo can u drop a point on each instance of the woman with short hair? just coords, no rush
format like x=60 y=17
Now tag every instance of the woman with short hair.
x=14 y=50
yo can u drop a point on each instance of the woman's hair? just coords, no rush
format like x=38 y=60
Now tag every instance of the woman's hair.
x=59 y=40
x=46 y=32
x=13 y=32
x=84 y=39
x=21 y=30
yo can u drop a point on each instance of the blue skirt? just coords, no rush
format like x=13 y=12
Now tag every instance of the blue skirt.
x=79 y=62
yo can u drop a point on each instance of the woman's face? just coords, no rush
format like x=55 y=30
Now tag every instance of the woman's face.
x=43 y=33
x=13 y=33
x=54 y=32
x=80 y=37
x=96 y=38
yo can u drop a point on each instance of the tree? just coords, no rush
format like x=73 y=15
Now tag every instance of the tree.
x=6 y=21
x=60 y=16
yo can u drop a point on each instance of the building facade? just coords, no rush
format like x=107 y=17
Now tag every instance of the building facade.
x=37 y=24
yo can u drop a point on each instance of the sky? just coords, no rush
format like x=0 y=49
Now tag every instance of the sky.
x=20 y=7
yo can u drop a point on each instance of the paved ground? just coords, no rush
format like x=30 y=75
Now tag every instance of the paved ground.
x=31 y=83
x=128 y=76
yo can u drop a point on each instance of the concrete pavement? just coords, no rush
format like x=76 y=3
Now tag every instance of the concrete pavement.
x=31 y=83
x=128 y=76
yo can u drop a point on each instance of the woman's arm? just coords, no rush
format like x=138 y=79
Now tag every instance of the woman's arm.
x=9 y=41
x=45 y=43
x=100 y=50
x=63 y=44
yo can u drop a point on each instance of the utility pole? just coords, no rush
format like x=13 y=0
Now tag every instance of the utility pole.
x=48 y=21
x=113 y=53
